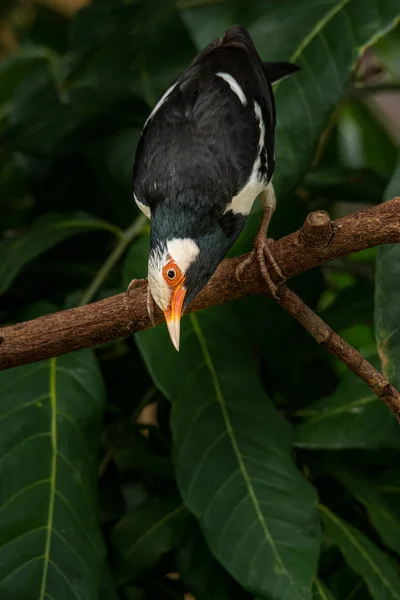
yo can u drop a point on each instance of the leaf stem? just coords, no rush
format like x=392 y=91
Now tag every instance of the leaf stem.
x=125 y=239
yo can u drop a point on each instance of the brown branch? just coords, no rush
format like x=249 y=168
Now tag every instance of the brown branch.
x=317 y=242
x=337 y=346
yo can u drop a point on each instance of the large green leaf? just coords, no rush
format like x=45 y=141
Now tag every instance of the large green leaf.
x=352 y=417
x=385 y=521
x=201 y=573
x=387 y=298
x=324 y=37
x=232 y=454
x=321 y=592
x=347 y=584
x=50 y=418
x=143 y=535
x=20 y=65
x=378 y=570
x=44 y=234
x=122 y=47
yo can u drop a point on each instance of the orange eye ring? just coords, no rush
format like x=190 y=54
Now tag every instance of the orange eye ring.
x=172 y=274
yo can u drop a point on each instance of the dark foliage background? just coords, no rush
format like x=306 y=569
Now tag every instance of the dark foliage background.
x=251 y=464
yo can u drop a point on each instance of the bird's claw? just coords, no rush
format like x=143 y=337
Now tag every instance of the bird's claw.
x=149 y=303
x=262 y=251
x=136 y=283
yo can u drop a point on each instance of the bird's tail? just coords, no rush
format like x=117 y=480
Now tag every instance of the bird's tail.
x=275 y=71
x=239 y=36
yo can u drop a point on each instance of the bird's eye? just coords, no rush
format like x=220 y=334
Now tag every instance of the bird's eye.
x=171 y=274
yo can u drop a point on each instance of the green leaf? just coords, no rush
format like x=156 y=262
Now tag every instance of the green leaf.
x=387 y=299
x=364 y=142
x=385 y=521
x=108 y=590
x=44 y=234
x=50 y=418
x=389 y=482
x=16 y=68
x=321 y=592
x=324 y=38
x=347 y=584
x=201 y=573
x=119 y=47
x=352 y=417
x=112 y=160
x=232 y=454
x=378 y=570
x=146 y=533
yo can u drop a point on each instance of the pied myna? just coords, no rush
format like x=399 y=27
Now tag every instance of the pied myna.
x=206 y=152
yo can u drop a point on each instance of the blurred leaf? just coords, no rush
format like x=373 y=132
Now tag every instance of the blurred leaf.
x=388 y=49
x=44 y=234
x=353 y=305
x=378 y=570
x=51 y=415
x=387 y=299
x=353 y=417
x=324 y=38
x=383 y=519
x=146 y=533
x=345 y=583
x=108 y=590
x=46 y=117
x=335 y=182
x=20 y=65
x=364 y=141
x=321 y=592
x=201 y=573
x=112 y=161
x=134 y=593
x=132 y=452
x=389 y=482
x=232 y=457
x=120 y=47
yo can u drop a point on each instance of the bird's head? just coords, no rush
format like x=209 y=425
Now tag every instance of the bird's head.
x=178 y=269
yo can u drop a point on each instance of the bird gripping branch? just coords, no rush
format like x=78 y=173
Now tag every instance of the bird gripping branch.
x=206 y=152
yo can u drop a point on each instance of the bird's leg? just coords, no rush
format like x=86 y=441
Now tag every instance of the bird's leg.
x=149 y=303
x=262 y=248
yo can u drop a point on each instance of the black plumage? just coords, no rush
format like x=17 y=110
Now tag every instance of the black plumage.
x=211 y=133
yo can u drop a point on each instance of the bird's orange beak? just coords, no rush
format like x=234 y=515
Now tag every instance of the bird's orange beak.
x=173 y=314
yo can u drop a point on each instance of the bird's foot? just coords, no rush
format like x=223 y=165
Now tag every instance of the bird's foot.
x=136 y=283
x=149 y=303
x=262 y=251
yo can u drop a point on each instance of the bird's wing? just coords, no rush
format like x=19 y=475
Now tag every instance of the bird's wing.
x=210 y=128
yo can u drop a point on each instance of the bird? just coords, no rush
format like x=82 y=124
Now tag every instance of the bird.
x=205 y=153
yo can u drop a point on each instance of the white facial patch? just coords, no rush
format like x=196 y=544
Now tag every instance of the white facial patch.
x=244 y=200
x=160 y=102
x=235 y=87
x=184 y=252
x=145 y=209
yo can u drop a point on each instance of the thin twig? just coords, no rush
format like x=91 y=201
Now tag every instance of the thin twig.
x=337 y=346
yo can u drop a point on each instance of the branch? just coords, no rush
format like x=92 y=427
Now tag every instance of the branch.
x=337 y=346
x=317 y=242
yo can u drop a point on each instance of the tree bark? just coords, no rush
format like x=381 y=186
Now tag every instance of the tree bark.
x=318 y=241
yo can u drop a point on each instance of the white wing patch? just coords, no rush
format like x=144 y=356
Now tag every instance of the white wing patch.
x=145 y=209
x=244 y=200
x=235 y=87
x=160 y=102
